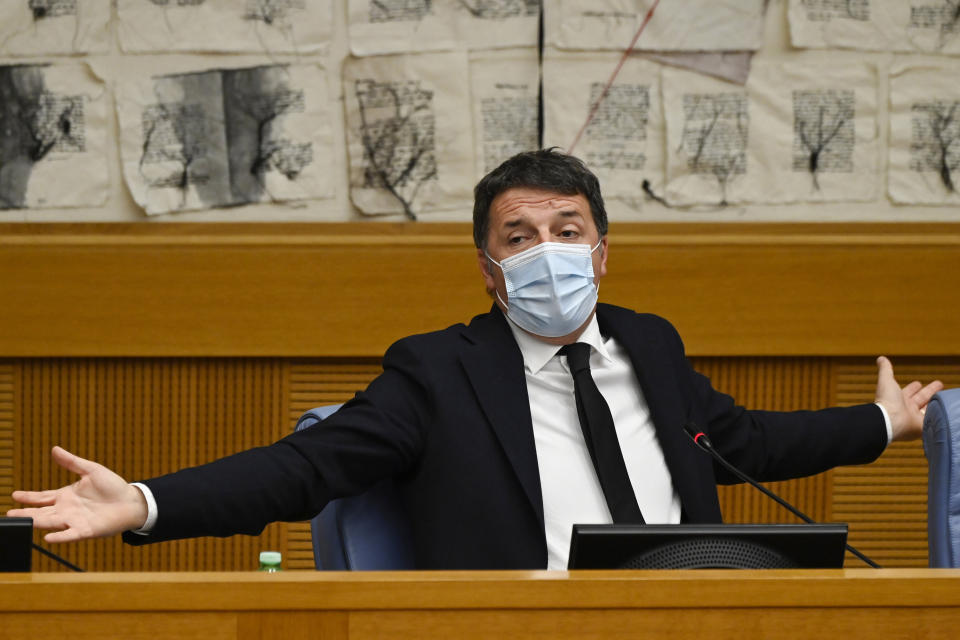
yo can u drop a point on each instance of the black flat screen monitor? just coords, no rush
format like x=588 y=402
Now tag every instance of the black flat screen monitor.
x=16 y=536
x=719 y=546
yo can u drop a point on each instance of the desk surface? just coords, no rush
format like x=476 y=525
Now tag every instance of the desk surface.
x=611 y=604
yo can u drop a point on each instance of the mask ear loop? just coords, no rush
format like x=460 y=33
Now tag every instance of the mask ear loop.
x=489 y=260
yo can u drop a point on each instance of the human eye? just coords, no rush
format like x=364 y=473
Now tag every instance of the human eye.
x=569 y=234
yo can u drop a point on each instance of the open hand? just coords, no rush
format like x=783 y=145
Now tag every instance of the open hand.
x=905 y=406
x=100 y=503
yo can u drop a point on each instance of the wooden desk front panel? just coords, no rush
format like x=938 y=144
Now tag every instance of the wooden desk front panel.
x=678 y=604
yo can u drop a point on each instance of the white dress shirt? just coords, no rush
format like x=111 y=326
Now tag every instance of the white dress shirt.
x=571 y=490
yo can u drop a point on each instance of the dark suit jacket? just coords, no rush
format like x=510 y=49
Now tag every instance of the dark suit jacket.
x=449 y=419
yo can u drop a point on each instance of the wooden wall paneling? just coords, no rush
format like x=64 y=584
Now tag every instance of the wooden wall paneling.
x=7 y=441
x=773 y=384
x=313 y=383
x=145 y=417
x=886 y=502
x=349 y=290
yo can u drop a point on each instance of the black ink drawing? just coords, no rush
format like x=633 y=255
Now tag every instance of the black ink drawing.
x=397 y=133
x=272 y=12
x=42 y=9
x=509 y=127
x=944 y=17
x=248 y=109
x=618 y=126
x=935 y=139
x=35 y=124
x=174 y=147
x=501 y=9
x=823 y=132
x=827 y=10
x=256 y=102
x=399 y=10
x=715 y=136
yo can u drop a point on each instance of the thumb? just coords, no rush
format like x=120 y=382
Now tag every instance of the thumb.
x=73 y=463
x=885 y=380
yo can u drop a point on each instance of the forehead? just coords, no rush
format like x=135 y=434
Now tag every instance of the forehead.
x=522 y=201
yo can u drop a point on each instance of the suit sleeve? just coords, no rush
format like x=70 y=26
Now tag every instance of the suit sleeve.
x=378 y=433
x=775 y=445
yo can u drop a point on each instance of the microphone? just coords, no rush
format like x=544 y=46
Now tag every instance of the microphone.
x=703 y=441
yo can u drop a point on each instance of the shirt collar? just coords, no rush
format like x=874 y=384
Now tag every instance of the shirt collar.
x=537 y=353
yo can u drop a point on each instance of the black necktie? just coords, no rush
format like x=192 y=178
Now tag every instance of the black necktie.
x=596 y=422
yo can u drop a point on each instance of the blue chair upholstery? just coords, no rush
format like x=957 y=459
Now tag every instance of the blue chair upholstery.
x=360 y=533
x=941 y=443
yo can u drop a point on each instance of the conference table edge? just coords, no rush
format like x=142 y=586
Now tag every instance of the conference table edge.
x=461 y=590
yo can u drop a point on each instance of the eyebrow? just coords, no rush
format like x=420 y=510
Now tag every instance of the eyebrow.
x=516 y=222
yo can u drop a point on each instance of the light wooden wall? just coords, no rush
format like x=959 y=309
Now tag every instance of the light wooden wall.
x=151 y=347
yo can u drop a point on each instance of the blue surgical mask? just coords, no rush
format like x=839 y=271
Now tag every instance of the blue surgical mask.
x=550 y=289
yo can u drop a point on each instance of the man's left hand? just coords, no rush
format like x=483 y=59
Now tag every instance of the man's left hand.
x=904 y=406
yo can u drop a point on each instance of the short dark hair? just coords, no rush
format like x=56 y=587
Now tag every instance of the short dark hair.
x=547 y=169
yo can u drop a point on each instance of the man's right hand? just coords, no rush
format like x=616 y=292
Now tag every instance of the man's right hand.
x=99 y=504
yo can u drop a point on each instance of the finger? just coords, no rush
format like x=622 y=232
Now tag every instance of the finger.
x=73 y=463
x=912 y=388
x=922 y=397
x=884 y=366
x=43 y=518
x=67 y=535
x=35 y=498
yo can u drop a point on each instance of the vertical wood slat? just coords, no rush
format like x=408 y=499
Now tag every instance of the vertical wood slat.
x=7 y=449
x=886 y=502
x=145 y=417
x=314 y=383
x=773 y=384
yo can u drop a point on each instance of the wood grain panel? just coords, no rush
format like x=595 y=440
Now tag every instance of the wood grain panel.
x=144 y=418
x=773 y=384
x=349 y=290
x=886 y=502
x=315 y=383
x=7 y=439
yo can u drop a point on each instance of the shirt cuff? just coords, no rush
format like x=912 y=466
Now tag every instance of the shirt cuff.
x=886 y=422
x=152 y=509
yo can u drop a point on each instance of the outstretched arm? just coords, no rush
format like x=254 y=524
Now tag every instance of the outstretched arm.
x=99 y=504
x=904 y=406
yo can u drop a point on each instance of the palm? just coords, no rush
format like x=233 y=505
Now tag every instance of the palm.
x=906 y=405
x=99 y=504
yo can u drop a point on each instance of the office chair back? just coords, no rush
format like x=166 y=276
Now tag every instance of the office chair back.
x=941 y=444
x=366 y=532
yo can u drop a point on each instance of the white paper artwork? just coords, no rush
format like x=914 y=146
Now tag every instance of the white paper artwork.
x=691 y=25
x=624 y=142
x=401 y=26
x=504 y=94
x=274 y=26
x=813 y=132
x=708 y=123
x=226 y=137
x=409 y=133
x=877 y=25
x=53 y=27
x=798 y=132
x=53 y=148
x=924 y=163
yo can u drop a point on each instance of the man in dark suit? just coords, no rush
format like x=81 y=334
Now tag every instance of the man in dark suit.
x=489 y=429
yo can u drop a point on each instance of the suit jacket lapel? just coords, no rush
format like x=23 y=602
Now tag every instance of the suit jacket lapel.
x=656 y=371
x=494 y=366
